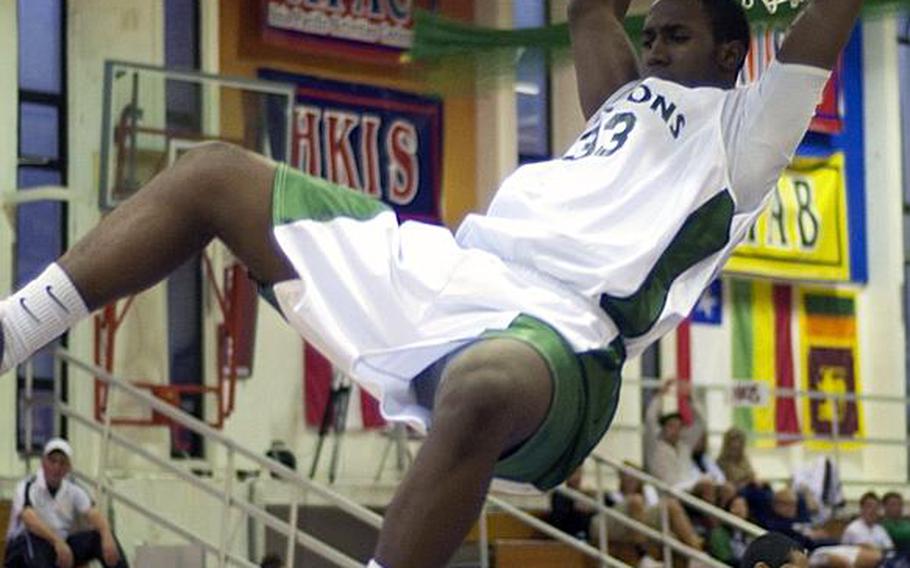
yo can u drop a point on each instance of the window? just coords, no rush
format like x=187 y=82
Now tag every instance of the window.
x=184 y=286
x=532 y=87
x=40 y=226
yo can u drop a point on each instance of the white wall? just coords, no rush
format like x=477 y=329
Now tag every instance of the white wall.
x=130 y=30
x=880 y=325
x=497 y=119
x=8 y=155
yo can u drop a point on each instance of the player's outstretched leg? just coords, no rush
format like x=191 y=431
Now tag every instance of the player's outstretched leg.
x=216 y=190
x=493 y=396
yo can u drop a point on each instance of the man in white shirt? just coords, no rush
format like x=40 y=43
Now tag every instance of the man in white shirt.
x=864 y=542
x=670 y=442
x=530 y=310
x=43 y=521
x=866 y=529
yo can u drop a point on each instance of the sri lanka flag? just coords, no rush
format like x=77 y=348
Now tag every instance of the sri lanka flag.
x=830 y=364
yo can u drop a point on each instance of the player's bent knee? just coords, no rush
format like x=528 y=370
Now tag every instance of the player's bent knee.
x=476 y=397
x=500 y=388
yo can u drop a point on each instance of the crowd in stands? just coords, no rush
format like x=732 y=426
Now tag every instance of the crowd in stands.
x=803 y=509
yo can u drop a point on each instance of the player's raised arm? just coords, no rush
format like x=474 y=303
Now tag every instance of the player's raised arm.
x=604 y=57
x=820 y=32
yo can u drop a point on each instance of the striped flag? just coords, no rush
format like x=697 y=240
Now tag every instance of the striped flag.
x=763 y=352
x=830 y=363
x=363 y=409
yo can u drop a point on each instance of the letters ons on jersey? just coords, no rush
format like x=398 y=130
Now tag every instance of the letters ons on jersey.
x=376 y=30
x=382 y=142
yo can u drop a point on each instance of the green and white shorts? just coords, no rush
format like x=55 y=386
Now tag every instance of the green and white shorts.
x=384 y=301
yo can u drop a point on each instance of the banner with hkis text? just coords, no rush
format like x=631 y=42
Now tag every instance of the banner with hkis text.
x=803 y=234
x=382 y=142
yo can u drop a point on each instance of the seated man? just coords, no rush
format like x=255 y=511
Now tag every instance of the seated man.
x=505 y=340
x=43 y=519
x=782 y=511
x=643 y=503
x=894 y=522
x=863 y=543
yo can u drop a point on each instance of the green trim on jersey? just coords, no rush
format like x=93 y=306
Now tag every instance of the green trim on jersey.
x=585 y=397
x=297 y=196
x=705 y=232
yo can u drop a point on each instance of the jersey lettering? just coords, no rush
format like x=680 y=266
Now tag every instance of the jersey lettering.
x=614 y=129
x=621 y=125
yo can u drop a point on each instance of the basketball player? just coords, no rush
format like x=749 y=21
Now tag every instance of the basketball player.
x=505 y=340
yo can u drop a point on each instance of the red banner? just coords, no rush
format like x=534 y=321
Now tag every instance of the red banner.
x=373 y=30
x=766 y=42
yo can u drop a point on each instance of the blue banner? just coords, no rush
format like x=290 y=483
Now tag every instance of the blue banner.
x=383 y=142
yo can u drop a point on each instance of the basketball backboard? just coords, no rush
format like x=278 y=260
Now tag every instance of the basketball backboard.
x=153 y=114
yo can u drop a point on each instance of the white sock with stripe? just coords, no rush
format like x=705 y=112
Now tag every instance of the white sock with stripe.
x=37 y=314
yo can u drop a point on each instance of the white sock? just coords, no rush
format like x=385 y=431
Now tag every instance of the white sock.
x=374 y=564
x=37 y=314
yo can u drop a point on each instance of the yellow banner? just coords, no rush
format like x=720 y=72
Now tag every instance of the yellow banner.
x=802 y=235
x=829 y=354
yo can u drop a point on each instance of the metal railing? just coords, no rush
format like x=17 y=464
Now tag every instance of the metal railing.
x=670 y=544
x=223 y=492
x=664 y=537
x=837 y=439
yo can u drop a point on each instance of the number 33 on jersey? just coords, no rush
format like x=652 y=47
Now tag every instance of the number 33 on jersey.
x=611 y=128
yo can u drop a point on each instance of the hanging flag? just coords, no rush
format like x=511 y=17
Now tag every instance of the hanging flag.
x=709 y=309
x=362 y=408
x=763 y=353
x=684 y=366
x=830 y=364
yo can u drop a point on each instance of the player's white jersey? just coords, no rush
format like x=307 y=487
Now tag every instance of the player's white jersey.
x=641 y=212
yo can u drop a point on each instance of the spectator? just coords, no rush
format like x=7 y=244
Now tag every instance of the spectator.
x=569 y=515
x=865 y=529
x=894 y=521
x=863 y=544
x=42 y=523
x=733 y=460
x=703 y=464
x=783 y=511
x=642 y=503
x=669 y=442
x=728 y=544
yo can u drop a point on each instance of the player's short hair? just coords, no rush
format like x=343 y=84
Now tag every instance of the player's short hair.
x=772 y=549
x=729 y=22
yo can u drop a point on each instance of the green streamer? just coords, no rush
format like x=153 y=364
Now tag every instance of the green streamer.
x=455 y=50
